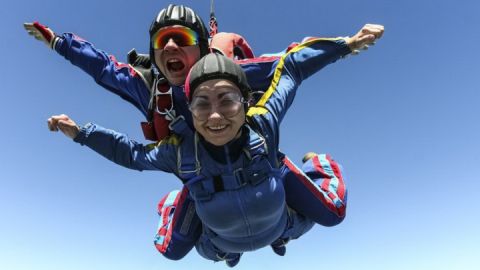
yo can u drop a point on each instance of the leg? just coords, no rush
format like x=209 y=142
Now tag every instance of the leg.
x=209 y=251
x=179 y=226
x=297 y=226
x=317 y=191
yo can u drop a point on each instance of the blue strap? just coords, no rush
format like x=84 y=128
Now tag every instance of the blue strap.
x=201 y=187
x=257 y=145
x=179 y=126
x=188 y=166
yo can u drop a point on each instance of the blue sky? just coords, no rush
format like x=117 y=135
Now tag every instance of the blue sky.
x=401 y=117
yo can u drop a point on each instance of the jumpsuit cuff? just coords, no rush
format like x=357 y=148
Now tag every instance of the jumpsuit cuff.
x=57 y=44
x=344 y=50
x=85 y=131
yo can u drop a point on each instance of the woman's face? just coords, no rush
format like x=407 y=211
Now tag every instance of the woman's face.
x=218 y=111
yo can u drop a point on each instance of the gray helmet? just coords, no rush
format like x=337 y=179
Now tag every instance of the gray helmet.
x=216 y=66
x=180 y=15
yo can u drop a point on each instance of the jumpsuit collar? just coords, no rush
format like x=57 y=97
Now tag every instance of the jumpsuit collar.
x=229 y=152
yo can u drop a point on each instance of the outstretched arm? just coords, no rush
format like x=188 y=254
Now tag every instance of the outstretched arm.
x=118 y=147
x=118 y=78
x=302 y=61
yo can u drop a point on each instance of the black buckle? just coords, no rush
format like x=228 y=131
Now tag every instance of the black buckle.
x=241 y=177
x=256 y=178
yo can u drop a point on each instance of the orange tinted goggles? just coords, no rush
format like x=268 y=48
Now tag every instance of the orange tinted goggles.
x=182 y=36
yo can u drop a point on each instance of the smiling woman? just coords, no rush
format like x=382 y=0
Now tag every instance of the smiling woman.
x=217 y=81
x=218 y=123
x=230 y=164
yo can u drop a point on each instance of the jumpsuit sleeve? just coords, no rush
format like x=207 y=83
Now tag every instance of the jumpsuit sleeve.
x=118 y=78
x=292 y=68
x=120 y=149
x=259 y=71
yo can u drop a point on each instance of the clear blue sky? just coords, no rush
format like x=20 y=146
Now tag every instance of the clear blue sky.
x=402 y=118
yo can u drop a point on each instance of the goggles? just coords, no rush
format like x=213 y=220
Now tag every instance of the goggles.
x=228 y=106
x=181 y=35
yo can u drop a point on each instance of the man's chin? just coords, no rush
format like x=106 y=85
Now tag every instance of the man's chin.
x=176 y=80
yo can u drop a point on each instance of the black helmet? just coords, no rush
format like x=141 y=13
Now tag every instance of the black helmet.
x=216 y=66
x=180 y=15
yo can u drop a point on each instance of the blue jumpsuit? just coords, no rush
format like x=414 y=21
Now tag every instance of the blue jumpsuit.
x=316 y=202
x=250 y=210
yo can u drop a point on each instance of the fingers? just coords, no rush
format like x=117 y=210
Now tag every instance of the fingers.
x=374 y=29
x=69 y=128
x=365 y=41
x=365 y=37
x=63 y=123
x=40 y=32
x=28 y=26
x=52 y=126
x=53 y=122
x=33 y=31
x=64 y=127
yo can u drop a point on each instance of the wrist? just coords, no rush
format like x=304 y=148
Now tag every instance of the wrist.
x=83 y=133
x=54 y=41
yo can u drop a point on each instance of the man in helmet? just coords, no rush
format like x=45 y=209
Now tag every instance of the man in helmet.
x=178 y=39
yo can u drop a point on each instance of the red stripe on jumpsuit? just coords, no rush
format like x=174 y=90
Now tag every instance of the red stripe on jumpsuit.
x=310 y=185
x=168 y=234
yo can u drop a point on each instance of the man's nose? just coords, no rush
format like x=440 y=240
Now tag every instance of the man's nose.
x=171 y=45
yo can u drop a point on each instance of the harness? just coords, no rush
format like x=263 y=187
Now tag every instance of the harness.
x=160 y=111
x=202 y=186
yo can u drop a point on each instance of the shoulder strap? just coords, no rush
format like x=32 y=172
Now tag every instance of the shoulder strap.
x=257 y=145
x=188 y=164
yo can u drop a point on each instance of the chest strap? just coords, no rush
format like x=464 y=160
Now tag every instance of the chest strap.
x=258 y=170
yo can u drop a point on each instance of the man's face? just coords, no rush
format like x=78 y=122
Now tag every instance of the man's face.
x=176 y=50
x=218 y=111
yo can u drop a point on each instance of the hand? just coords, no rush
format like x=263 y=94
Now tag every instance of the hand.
x=64 y=124
x=365 y=37
x=42 y=33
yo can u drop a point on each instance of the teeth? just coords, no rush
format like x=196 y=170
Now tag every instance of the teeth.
x=171 y=61
x=217 y=127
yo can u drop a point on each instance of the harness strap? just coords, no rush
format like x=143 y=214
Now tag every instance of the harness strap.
x=257 y=145
x=160 y=111
x=259 y=169
x=188 y=164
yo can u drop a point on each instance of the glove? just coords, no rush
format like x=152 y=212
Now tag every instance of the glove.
x=42 y=33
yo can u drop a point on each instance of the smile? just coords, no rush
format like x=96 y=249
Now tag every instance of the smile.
x=217 y=128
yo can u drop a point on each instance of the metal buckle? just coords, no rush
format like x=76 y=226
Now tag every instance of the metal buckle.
x=175 y=120
x=159 y=93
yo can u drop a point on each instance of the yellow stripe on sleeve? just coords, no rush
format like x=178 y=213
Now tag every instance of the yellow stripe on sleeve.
x=259 y=107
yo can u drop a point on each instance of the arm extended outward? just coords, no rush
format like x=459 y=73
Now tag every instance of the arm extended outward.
x=118 y=147
x=118 y=78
